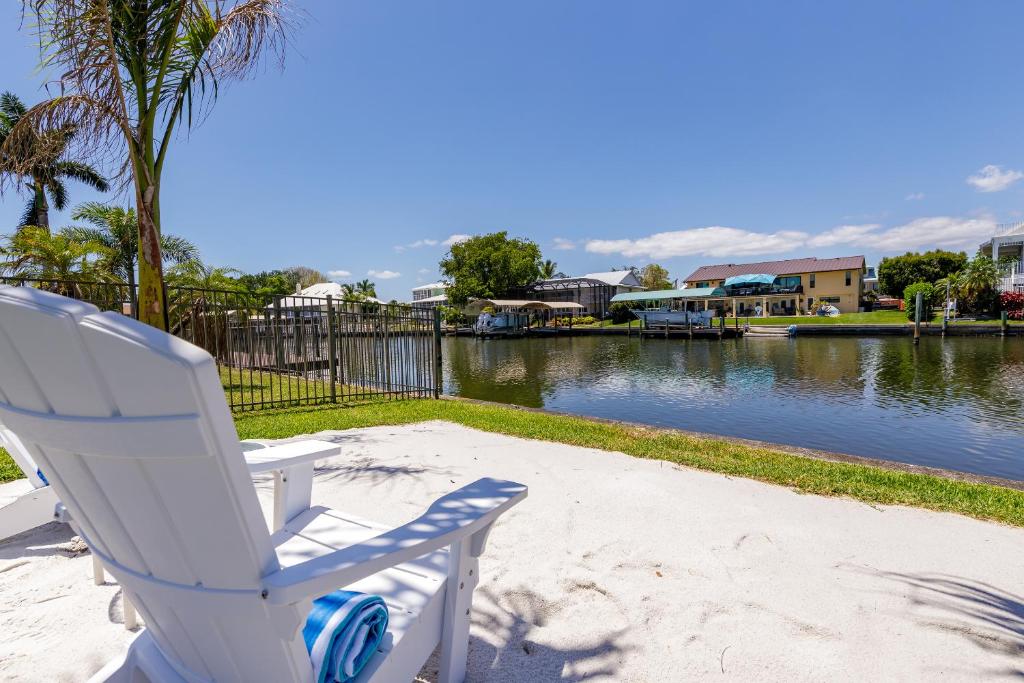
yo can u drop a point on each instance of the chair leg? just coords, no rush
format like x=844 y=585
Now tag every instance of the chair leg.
x=131 y=619
x=99 y=577
x=463 y=575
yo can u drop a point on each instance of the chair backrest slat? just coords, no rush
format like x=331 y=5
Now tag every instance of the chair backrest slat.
x=131 y=428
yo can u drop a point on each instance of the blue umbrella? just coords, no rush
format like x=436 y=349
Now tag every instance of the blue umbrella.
x=750 y=279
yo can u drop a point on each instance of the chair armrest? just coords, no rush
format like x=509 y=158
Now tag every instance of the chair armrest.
x=283 y=456
x=451 y=518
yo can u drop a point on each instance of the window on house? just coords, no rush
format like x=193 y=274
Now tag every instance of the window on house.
x=788 y=281
x=847 y=278
x=812 y=280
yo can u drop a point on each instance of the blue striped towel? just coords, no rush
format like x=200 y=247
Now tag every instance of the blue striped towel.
x=342 y=632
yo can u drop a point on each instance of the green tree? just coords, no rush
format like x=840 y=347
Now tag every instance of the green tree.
x=548 y=269
x=303 y=276
x=199 y=275
x=930 y=298
x=896 y=273
x=33 y=252
x=366 y=288
x=976 y=285
x=130 y=72
x=653 y=277
x=266 y=284
x=489 y=266
x=116 y=228
x=41 y=164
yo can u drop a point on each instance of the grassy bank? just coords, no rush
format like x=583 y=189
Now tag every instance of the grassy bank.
x=869 y=484
x=808 y=475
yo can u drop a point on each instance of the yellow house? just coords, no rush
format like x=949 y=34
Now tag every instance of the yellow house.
x=800 y=285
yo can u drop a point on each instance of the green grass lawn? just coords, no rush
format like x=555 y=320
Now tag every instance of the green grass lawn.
x=804 y=474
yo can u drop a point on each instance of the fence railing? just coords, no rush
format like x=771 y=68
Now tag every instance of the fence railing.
x=275 y=351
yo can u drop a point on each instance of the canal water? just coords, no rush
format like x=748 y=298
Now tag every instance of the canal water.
x=956 y=403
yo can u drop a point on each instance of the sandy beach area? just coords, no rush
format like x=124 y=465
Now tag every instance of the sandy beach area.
x=620 y=569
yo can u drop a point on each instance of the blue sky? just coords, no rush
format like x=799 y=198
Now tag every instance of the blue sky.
x=609 y=133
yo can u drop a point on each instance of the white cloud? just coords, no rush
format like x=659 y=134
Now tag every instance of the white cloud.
x=416 y=245
x=455 y=239
x=384 y=274
x=423 y=271
x=563 y=244
x=993 y=178
x=715 y=241
x=843 y=234
x=920 y=233
x=914 y=196
x=338 y=274
x=723 y=242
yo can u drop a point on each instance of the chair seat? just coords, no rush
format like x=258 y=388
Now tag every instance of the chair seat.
x=414 y=591
x=12 y=490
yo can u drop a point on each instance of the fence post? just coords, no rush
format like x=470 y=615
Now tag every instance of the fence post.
x=278 y=337
x=332 y=359
x=437 y=353
x=1004 y=322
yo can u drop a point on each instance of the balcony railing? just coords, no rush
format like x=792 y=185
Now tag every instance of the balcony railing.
x=1004 y=229
x=1013 y=281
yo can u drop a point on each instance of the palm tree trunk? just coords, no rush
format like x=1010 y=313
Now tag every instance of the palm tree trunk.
x=152 y=308
x=42 y=207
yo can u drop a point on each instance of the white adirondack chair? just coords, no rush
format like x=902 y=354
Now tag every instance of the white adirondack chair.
x=25 y=503
x=132 y=430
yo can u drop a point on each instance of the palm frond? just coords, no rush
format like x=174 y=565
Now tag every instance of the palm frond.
x=30 y=216
x=178 y=249
x=58 y=193
x=83 y=173
x=11 y=106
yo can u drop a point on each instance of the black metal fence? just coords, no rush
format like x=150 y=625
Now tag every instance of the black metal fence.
x=275 y=351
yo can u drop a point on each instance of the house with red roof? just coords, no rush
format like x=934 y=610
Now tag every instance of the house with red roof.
x=799 y=286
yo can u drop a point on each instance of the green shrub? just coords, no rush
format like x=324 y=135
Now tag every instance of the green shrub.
x=929 y=298
x=620 y=312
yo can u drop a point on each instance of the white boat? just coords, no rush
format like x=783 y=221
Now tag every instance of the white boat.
x=664 y=314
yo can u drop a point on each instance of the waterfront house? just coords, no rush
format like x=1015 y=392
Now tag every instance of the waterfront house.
x=1008 y=243
x=429 y=296
x=870 y=279
x=593 y=291
x=799 y=285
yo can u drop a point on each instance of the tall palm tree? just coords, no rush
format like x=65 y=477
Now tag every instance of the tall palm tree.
x=366 y=288
x=32 y=252
x=116 y=228
x=42 y=166
x=548 y=269
x=130 y=72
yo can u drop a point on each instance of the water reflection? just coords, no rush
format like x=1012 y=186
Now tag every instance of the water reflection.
x=956 y=403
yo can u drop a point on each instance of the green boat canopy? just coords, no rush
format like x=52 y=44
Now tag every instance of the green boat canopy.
x=750 y=279
x=660 y=294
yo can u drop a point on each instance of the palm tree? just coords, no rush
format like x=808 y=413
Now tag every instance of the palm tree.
x=199 y=275
x=32 y=252
x=42 y=166
x=116 y=228
x=548 y=269
x=366 y=288
x=132 y=71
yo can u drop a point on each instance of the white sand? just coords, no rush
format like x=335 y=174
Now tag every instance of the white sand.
x=622 y=569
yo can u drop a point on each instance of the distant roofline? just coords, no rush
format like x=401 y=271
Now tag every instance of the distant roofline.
x=691 y=278
x=432 y=285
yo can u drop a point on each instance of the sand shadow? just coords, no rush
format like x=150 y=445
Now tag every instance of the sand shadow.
x=985 y=616
x=38 y=542
x=515 y=623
